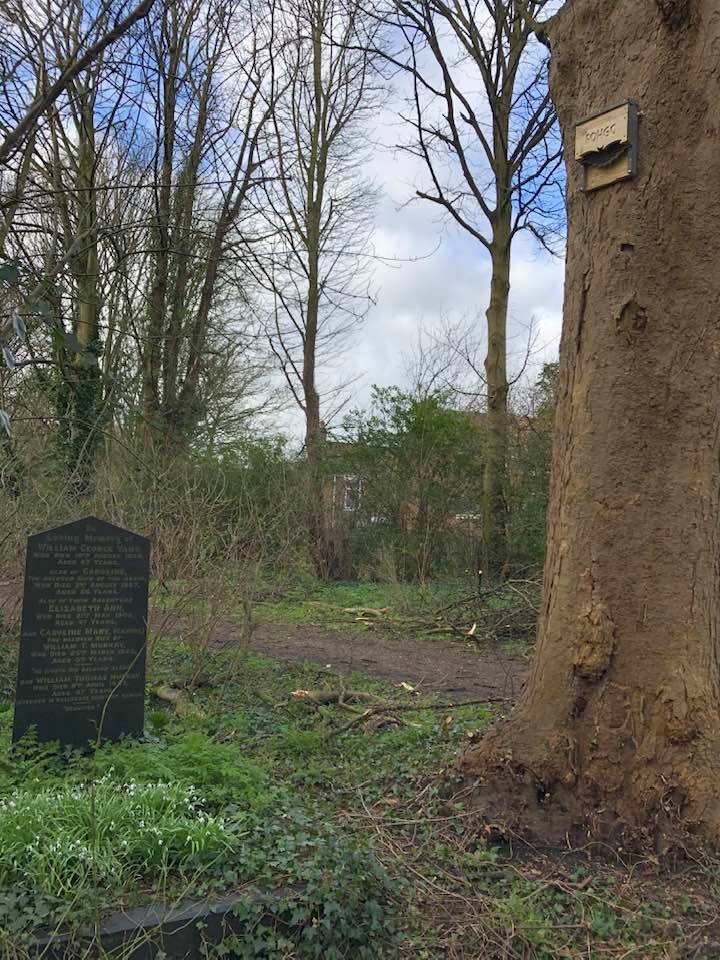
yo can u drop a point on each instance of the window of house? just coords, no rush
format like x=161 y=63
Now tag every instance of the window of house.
x=352 y=492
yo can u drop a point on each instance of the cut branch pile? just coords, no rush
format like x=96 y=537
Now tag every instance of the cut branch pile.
x=507 y=612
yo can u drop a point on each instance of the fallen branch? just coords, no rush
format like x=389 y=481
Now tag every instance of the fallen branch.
x=530 y=602
x=473 y=598
x=450 y=706
x=391 y=709
x=447 y=628
x=326 y=697
x=346 y=697
x=364 y=716
x=367 y=611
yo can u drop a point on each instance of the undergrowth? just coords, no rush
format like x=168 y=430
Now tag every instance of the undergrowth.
x=327 y=603
x=341 y=838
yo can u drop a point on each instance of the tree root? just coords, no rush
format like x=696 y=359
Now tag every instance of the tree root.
x=535 y=786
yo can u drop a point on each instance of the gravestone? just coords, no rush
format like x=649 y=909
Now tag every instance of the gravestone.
x=81 y=668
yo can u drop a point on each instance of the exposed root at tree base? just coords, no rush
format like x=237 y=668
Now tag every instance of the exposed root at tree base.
x=542 y=796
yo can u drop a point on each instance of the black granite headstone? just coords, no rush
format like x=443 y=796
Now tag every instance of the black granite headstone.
x=81 y=669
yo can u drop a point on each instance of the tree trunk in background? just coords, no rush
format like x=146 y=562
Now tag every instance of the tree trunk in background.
x=79 y=393
x=315 y=498
x=620 y=721
x=157 y=301
x=315 y=503
x=317 y=166
x=88 y=385
x=494 y=500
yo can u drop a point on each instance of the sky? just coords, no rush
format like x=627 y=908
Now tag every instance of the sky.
x=443 y=274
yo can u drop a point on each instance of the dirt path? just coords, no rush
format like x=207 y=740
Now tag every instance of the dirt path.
x=457 y=671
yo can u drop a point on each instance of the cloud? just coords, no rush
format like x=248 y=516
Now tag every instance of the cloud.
x=435 y=273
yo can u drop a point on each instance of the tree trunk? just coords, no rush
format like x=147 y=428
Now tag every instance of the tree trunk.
x=494 y=501
x=84 y=389
x=315 y=502
x=157 y=302
x=317 y=162
x=494 y=507
x=315 y=495
x=619 y=724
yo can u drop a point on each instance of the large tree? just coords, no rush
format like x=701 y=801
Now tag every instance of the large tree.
x=620 y=719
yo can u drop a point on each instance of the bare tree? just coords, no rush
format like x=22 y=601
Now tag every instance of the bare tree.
x=483 y=126
x=318 y=213
x=128 y=213
x=35 y=80
x=213 y=102
x=55 y=213
x=25 y=27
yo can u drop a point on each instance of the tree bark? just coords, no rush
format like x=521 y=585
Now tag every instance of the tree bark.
x=619 y=724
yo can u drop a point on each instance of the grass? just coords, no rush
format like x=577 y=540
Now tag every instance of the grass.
x=199 y=805
x=358 y=839
x=326 y=603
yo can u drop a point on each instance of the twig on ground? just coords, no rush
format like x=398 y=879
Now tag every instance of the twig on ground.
x=345 y=697
x=341 y=697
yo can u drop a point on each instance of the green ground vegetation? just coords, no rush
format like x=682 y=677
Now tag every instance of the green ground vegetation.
x=439 y=609
x=345 y=820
